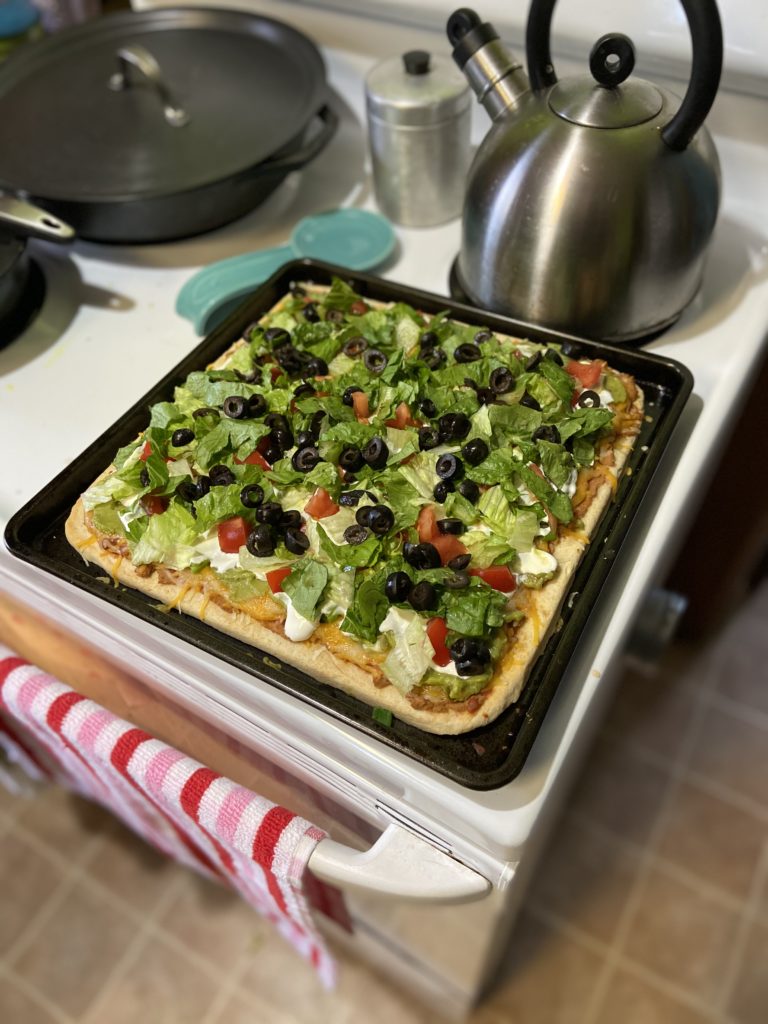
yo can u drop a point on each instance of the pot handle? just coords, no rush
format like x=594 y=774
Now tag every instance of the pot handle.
x=297 y=158
x=24 y=220
x=706 y=36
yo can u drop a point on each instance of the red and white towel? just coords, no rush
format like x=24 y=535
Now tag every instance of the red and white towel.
x=184 y=809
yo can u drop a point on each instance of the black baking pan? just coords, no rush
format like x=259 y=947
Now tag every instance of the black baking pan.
x=145 y=126
x=485 y=758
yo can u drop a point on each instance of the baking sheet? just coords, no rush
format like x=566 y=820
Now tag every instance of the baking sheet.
x=485 y=758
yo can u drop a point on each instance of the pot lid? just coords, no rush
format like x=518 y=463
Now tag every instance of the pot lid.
x=417 y=88
x=153 y=103
x=583 y=102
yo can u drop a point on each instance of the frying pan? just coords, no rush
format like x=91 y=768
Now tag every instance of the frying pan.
x=154 y=125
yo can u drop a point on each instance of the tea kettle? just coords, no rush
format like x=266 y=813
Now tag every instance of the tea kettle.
x=590 y=202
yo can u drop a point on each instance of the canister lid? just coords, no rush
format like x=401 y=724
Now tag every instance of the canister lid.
x=417 y=88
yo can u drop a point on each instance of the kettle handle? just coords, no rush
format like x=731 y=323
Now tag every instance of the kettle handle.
x=707 y=38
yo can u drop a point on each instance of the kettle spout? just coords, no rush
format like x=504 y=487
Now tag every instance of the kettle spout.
x=496 y=76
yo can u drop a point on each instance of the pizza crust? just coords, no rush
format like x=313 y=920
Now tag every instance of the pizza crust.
x=259 y=623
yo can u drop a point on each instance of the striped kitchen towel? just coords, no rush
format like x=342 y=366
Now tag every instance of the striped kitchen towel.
x=186 y=810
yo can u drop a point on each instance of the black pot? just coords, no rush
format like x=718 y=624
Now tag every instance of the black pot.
x=150 y=126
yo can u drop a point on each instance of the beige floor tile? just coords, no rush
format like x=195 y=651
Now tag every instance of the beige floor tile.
x=70 y=958
x=131 y=868
x=27 y=881
x=619 y=790
x=652 y=711
x=715 y=841
x=585 y=879
x=681 y=934
x=212 y=921
x=629 y=1000
x=160 y=986
x=733 y=753
x=17 y=1008
x=746 y=644
x=547 y=978
x=749 y=1001
x=63 y=821
x=238 y=1010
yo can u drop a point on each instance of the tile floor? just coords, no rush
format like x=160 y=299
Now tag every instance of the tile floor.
x=650 y=906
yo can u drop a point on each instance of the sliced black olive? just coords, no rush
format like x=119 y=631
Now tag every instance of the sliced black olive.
x=428 y=407
x=475 y=451
x=261 y=541
x=257 y=406
x=381 y=519
x=469 y=383
x=316 y=421
x=276 y=419
x=282 y=437
x=182 y=436
x=588 y=400
x=469 y=489
x=423 y=597
x=434 y=358
x=454 y=426
x=351 y=459
x=376 y=453
x=466 y=353
x=289 y=359
x=421 y=556
x=273 y=453
x=470 y=667
x=269 y=512
x=398 y=586
x=468 y=648
x=450 y=526
x=483 y=335
x=534 y=361
x=305 y=459
x=428 y=340
x=236 y=407
x=292 y=518
x=429 y=438
x=251 y=377
x=304 y=438
x=486 y=396
x=347 y=396
x=554 y=355
x=449 y=467
x=354 y=346
x=350 y=498
x=460 y=562
x=252 y=331
x=335 y=316
x=303 y=390
x=374 y=360
x=277 y=336
x=311 y=314
x=363 y=514
x=221 y=476
x=144 y=477
x=530 y=402
x=204 y=410
x=547 y=432
x=355 y=534
x=442 y=489
x=203 y=485
x=501 y=380
x=459 y=581
x=252 y=495
x=296 y=541
x=316 y=367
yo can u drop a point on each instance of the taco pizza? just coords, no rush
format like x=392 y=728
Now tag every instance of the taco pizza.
x=393 y=502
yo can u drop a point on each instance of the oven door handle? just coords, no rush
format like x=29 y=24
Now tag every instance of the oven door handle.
x=400 y=865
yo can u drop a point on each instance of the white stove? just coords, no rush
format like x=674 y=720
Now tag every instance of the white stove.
x=108 y=331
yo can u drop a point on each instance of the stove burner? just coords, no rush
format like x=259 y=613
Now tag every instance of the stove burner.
x=25 y=309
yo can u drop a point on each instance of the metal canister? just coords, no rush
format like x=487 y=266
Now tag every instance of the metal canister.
x=419 y=115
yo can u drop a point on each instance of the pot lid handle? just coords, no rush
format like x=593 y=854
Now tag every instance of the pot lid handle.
x=139 y=58
x=23 y=220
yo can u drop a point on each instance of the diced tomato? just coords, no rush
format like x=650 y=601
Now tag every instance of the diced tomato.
x=254 y=459
x=232 y=534
x=448 y=546
x=360 y=404
x=587 y=374
x=275 y=372
x=154 y=504
x=437 y=630
x=275 y=579
x=321 y=505
x=358 y=308
x=500 y=577
x=426 y=524
x=146 y=451
x=402 y=417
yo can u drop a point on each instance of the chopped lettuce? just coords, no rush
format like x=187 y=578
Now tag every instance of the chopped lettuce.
x=411 y=653
x=474 y=611
x=367 y=610
x=169 y=538
x=359 y=555
x=305 y=586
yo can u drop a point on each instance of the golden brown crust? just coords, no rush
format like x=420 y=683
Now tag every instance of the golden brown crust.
x=340 y=661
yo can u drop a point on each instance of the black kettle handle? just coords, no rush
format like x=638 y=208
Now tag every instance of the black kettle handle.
x=707 y=38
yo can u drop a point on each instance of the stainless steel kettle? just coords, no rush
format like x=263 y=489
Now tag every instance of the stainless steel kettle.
x=589 y=204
